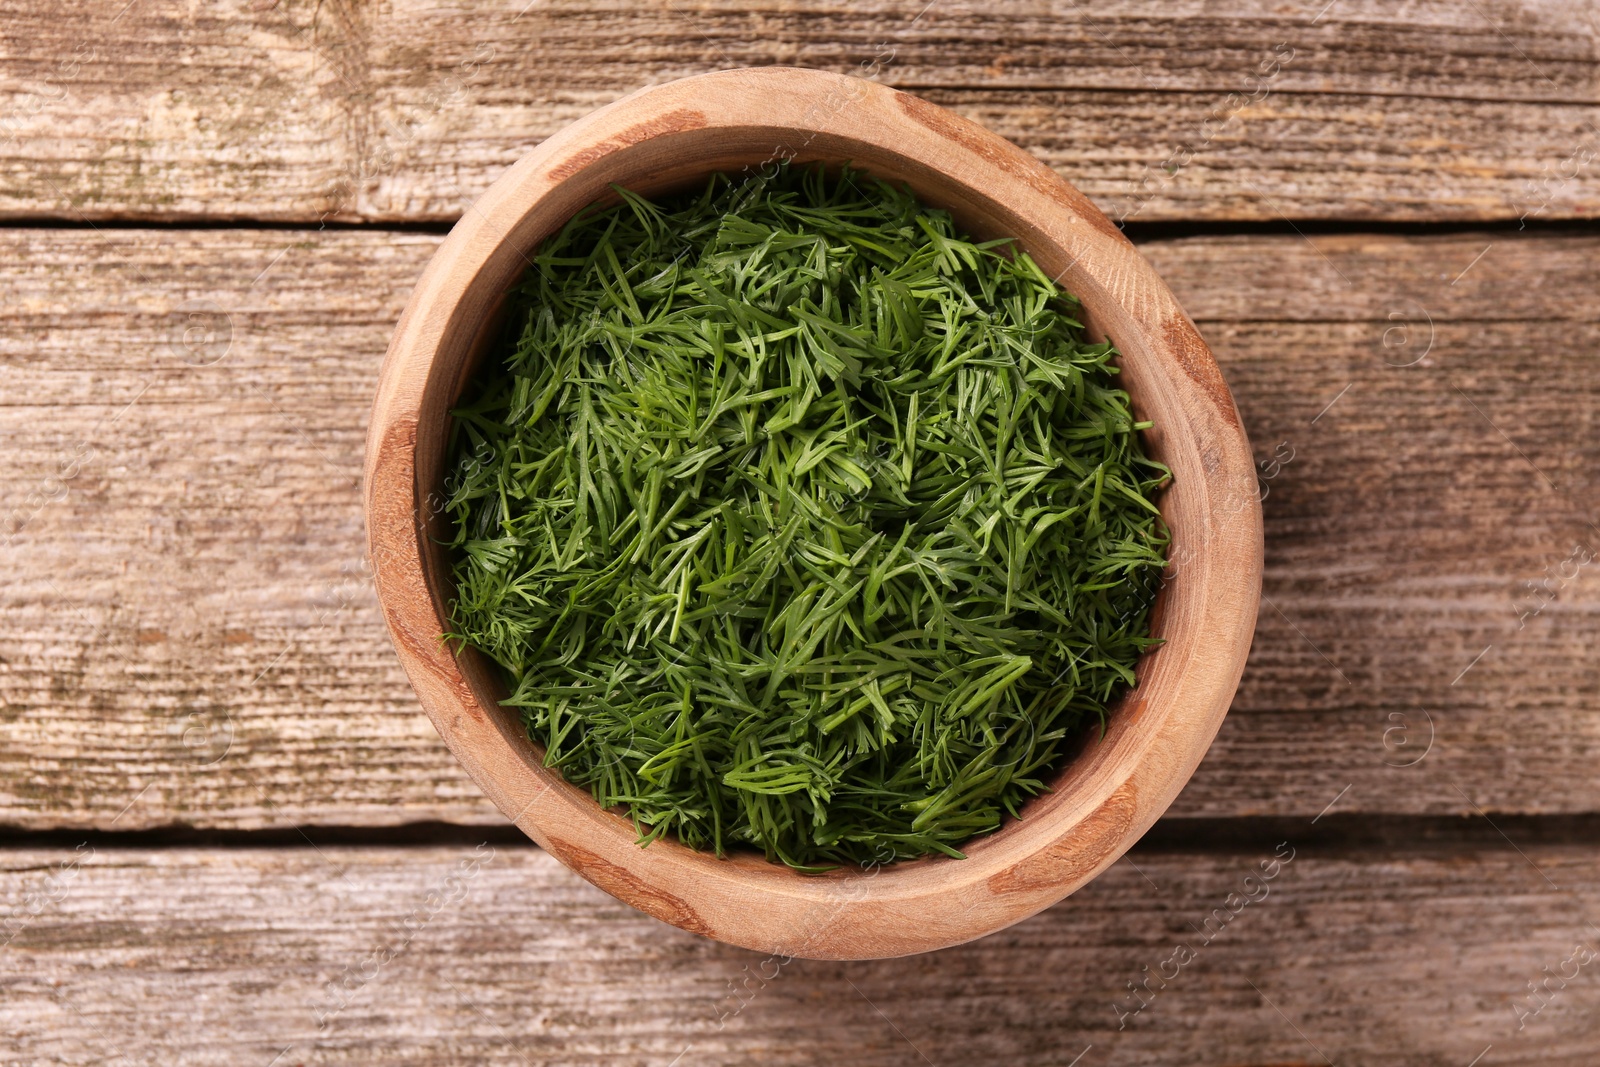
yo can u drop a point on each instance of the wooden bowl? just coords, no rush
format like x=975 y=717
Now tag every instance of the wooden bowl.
x=1109 y=793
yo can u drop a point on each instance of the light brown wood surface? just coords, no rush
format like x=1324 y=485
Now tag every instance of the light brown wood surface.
x=1405 y=957
x=400 y=112
x=206 y=560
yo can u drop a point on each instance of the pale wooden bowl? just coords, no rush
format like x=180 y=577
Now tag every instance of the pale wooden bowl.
x=1115 y=786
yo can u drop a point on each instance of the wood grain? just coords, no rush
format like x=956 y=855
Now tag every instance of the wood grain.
x=206 y=560
x=305 y=110
x=185 y=635
x=236 y=956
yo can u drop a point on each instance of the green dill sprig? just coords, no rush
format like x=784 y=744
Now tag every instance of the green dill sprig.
x=798 y=521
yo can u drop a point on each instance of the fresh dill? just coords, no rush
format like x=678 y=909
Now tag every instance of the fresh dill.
x=800 y=522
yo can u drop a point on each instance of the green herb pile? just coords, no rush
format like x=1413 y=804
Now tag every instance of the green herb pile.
x=799 y=521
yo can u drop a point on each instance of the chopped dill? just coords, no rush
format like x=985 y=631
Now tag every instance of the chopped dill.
x=800 y=522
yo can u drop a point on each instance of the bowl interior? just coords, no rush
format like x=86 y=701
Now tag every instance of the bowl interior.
x=654 y=168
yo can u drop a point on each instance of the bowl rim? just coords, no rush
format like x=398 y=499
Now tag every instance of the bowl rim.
x=1104 y=798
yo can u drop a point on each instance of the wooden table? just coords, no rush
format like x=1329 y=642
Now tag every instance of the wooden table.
x=230 y=835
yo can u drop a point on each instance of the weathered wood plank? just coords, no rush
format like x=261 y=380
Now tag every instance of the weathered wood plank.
x=1437 y=408
x=304 y=110
x=463 y=955
x=185 y=626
